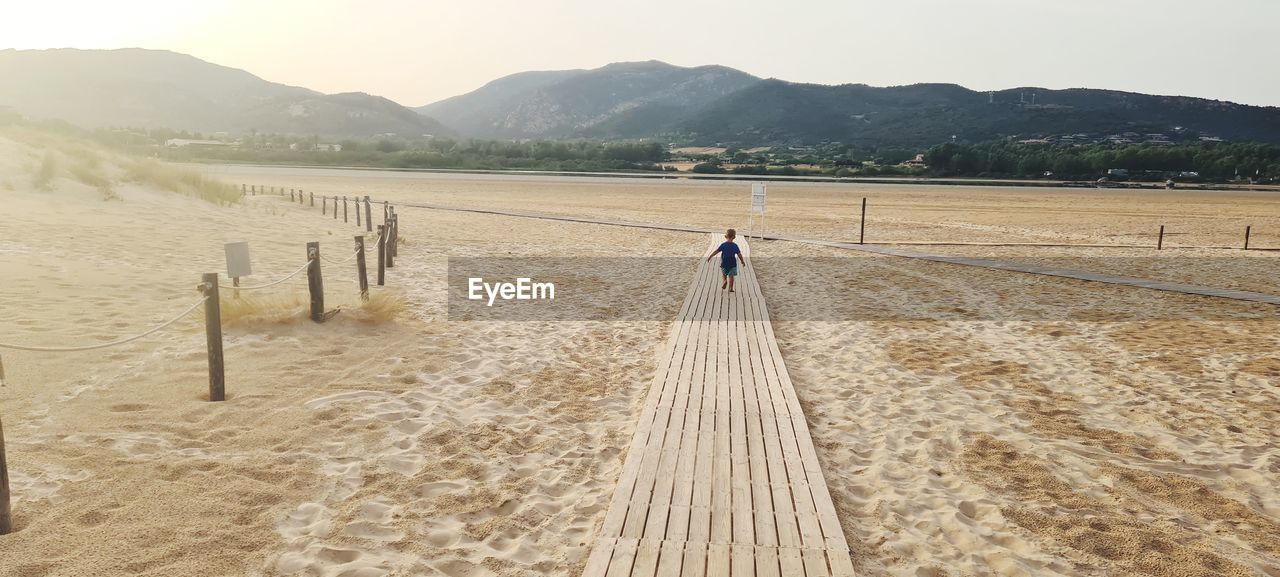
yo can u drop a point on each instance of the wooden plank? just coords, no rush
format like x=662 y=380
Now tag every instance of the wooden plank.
x=815 y=563
x=841 y=564
x=718 y=560
x=721 y=496
x=695 y=560
x=739 y=453
x=700 y=514
x=790 y=562
x=638 y=512
x=659 y=458
x=767 y=562
x=679 y=521
x=743 y=563
x=646 y=564
x=671 y=558
x=598 y=561
x=624 y=556
x=758 y=405
x=683 y=423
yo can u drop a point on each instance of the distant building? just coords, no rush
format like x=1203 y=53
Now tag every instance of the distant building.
x=184 y=142
x=1118 y=173
x=917 y=162
x=329 y=147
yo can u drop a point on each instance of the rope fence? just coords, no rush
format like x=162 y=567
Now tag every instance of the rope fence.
x=387 y=243
x=144 y=334
x=304 y=266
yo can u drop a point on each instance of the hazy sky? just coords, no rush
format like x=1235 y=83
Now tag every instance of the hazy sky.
x=416 y=52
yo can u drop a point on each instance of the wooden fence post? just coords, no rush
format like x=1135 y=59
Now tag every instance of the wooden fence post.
x=6 y=518
x=361 y=274
x=213 y=337
x=315 y=283
x=344 y=209
x=389 y=230
x=1246 y=236
x=1160 y=239
x=357 y=201
x=244 y=191
x=313 y=199
x=291 y=199
x=324 y=206
x=335 y=207
x=382 y=255
x=368 y=216
x=862 y=224
x=394 y=234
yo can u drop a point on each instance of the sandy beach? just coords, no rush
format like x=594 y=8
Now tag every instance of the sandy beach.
x=968 y=421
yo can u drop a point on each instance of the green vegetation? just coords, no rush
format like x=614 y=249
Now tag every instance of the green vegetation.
x=1005 y=158
x=578 y=156
x=1150 y=161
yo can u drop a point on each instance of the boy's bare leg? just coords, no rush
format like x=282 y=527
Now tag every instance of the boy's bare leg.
x=724 y=280
x=731 y=283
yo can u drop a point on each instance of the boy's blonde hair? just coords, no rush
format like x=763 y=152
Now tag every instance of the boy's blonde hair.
x=731 y=233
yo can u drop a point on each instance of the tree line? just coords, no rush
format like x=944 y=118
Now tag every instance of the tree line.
x=446 y=153
x=1212 y=161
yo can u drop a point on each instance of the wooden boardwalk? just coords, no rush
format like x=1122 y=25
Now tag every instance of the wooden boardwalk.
x=721 y=478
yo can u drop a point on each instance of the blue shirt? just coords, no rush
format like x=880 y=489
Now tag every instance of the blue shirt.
x=728 y=251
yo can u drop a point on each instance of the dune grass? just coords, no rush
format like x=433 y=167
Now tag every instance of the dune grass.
x=46 y=172
x=88 y=167
x=88 y=163
x=180 y=180
x=273 y=308
x=290 y=306
x=382 y=307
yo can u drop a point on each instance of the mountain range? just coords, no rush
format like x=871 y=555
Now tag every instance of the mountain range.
x=628 y=101
x=160 y=89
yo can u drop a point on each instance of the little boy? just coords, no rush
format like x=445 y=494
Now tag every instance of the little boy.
x=728 y=265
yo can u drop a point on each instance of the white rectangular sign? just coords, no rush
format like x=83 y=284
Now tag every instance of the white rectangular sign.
x=238 y=259
x=757 y=197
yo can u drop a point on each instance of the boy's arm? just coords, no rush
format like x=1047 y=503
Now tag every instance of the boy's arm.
x=713 y=255
x=741 y=258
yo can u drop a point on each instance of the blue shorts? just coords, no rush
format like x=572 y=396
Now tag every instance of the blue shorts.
x=729 y=270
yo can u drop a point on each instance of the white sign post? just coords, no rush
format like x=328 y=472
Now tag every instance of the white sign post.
x=758 y=192
x=237 y=262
